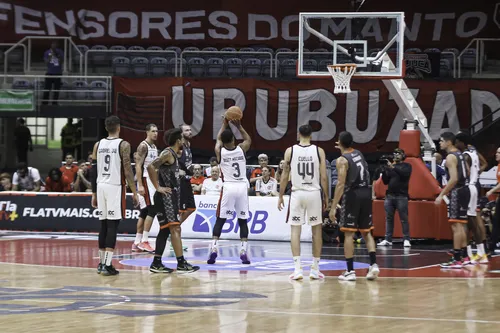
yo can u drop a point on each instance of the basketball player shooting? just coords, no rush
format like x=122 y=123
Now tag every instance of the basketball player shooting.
x=164 y=174
x=356 y=209
x=456 y=170
x=110 y=165
x=308 y=200
x=146 y=153
x=234 y=194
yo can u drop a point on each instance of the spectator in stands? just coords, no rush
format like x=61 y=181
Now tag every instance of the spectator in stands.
x=257 y=172
x=212 y=185
x=54 y=58
x=439 y=159
x=23 y=142
x=82 y=181
x=5 y=183
x=334 y=174
x=213 y=163
x=197 y=179
x=266 y=186
x=68 y=134
x=78 y=140
x=26 y=178
x=440 y=173
x=57 y=182
x=69 y=169
x=279 y=171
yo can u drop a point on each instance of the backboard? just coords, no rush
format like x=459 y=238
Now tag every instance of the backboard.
x=374 y=41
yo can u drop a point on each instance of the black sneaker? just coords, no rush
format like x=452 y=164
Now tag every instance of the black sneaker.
x=186 y=267
x=100 y=268
x=109 y=270
x=159 y=268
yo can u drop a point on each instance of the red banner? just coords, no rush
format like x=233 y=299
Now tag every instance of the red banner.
x=273 y=110
x=429 y=23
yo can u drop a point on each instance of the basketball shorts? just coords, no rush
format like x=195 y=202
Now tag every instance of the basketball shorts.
x=356 y=210
x=149 y=192
x=233 y=198
x=458 y=205
x=110 y=201
x=305 y=206
x=473 y=201
x=167 y=208
x=187 y=197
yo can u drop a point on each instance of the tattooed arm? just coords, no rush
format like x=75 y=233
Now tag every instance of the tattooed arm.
x=142 y=151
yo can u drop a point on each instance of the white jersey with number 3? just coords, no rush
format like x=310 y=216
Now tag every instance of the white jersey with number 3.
x=109 y=162
x=233 y=164
x=304 y=168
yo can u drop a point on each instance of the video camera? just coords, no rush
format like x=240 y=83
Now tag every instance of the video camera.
x=384 y=159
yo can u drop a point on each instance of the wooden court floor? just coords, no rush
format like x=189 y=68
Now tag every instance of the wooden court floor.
x=48 y=284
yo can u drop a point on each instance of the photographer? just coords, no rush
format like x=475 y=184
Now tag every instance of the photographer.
x=397 y=176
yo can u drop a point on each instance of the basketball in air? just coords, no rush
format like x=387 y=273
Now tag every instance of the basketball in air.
x=233 y=113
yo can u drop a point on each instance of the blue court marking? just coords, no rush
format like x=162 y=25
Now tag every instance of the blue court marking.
x=258 y=264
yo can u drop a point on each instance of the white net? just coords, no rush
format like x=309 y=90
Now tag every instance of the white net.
x=342 y=77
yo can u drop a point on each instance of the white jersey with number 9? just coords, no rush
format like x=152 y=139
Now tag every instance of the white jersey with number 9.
x=109 y=162
x=304 y=168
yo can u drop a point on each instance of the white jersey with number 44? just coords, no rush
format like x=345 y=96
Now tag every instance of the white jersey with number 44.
x=304 y=168
x=233 y=164
x=109 y=162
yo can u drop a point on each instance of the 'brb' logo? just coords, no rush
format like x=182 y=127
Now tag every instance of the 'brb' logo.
x=205 y=218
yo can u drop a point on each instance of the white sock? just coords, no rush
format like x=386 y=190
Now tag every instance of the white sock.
x=315 y=264
x=469 y=251
x=296 y=263
x=108 y=256
x=145 y=236
x=214 y=244
x=480 y=249
x=244 y=245
x=138 y=238
x=101 y=256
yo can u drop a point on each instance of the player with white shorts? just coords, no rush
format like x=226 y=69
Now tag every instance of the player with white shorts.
x=475 y=223
x=146 y=153
x=110 y=167
x=306 y=163
x=234 y=194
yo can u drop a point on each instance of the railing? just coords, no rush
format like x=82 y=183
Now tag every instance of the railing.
x=128 y=51
x=231 y=52
x=83 y=95
x=68 y=56
x=479 y=54
x=472 y=128
x=25 y=55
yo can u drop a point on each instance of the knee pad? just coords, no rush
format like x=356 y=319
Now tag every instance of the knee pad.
x=243 y=228
x=143 y=213
x=111 y=234
x=151 y=211
x=218 y=227
x=102 y=234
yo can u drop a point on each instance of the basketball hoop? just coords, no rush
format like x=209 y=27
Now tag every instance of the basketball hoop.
x=342 y=74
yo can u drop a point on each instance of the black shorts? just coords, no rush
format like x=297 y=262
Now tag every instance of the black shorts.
x=167 y=208
x=459 y=202
x=187 y=197
x=356 y=211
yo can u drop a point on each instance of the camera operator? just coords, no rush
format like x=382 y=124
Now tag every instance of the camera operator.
x=397 y=176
